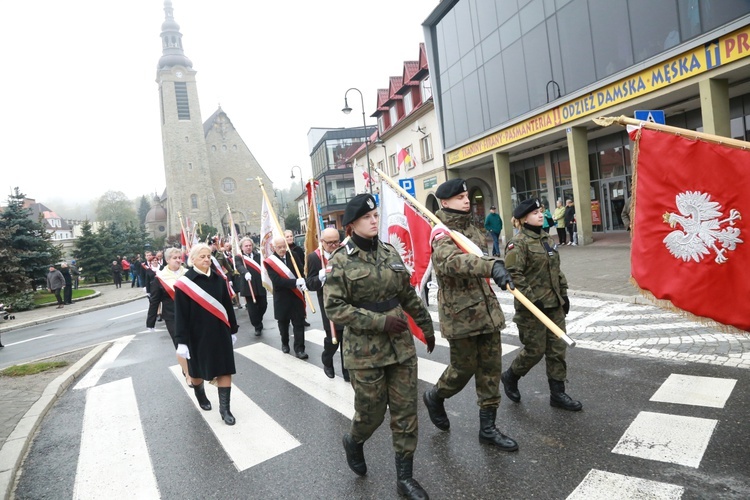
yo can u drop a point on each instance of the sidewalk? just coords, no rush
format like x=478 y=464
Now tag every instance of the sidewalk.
x=600 y=269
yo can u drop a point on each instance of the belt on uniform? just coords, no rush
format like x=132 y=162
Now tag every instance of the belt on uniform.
x=379 y=307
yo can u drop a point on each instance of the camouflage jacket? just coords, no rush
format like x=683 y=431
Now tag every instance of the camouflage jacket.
x=466 y=303
x=356 y=276
x=536 y=269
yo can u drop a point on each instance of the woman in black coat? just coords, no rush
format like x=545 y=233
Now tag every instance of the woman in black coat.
x=205 y=327
x=251 y=277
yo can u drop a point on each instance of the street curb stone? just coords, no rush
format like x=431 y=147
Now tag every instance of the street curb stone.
x=15 y=447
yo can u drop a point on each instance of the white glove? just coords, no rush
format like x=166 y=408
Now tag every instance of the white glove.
x=322 y=276
x=183 y=351
x=234 y=339
x=248 y=276
x=301 y=284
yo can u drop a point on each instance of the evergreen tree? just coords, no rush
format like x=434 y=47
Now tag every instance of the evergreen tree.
x=291 y=222
x=13 y=281
x=90 y=255
x=30 y=242
x=113 y=240
x=143 y=208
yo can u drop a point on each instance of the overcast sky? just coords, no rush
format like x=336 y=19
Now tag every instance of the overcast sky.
x=80 y=110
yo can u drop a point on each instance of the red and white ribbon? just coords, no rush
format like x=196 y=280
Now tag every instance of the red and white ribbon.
x=203 y=299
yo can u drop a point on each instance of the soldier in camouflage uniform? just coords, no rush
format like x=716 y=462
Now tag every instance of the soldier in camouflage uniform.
x=534 y=263
x=368 y=291
x=470 y=316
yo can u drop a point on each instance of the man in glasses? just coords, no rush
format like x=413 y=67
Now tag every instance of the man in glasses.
x=317 y=262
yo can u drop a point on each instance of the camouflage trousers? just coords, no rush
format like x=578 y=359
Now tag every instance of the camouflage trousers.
x=478 y=357
x=538 y=341
x=394 y=386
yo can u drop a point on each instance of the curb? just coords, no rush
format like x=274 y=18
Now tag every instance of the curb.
x=631 y=299
x=41 y=321
x=15 y=447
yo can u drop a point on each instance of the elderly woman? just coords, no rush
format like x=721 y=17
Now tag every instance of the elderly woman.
x=205 y=328
x=162 y=294
x=368 y=292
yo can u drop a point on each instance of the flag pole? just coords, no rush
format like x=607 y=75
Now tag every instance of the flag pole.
x=278 y=228
x=605 y=121
x=314 y=208
x=461 y=241
x=236 y=245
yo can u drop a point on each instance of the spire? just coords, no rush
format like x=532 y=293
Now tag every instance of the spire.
x=171 y=41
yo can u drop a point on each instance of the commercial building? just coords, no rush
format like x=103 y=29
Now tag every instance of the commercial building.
x=516 y=84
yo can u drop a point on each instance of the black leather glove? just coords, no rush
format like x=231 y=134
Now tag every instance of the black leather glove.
x=502 y=276
x=394 y=324
x=430 y=343
x=566 y=304
x=539 y=305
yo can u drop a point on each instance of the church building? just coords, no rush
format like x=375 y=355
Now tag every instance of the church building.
x=207 y=164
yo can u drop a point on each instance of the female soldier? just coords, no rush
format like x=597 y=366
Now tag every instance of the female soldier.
x=205 y=328
x=368 y=292
x=531 y=258
x=162 y=294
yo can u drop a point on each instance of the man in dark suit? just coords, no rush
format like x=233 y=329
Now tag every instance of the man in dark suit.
x=288 y=296
x=316 y=278
x=250 y=277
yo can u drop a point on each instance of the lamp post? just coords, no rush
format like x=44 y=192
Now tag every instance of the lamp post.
x=346 y=109
x=300 y=176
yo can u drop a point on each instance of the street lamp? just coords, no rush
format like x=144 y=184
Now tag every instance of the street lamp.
x=348 y=110
x=300 y=176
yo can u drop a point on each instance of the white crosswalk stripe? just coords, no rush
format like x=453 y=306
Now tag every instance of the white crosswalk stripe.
x=255 y=426
x=113 y=455
x=109 y=357
x=602 y=485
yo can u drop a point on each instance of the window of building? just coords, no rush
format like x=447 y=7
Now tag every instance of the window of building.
x=408 y=105
x=228 y=185
x=426 y=89
x=392 y=166
x=393 y=113
x=409 y=161
x=381 y=123
x=193 y=201
x=381 y=165
x=183 y=105
x=425 y=144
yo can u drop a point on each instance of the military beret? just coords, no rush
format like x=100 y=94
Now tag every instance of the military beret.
x=358 y=206
x=450 y=188
x=526 y=207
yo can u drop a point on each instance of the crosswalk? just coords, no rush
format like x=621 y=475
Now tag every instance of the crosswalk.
x=112 y=420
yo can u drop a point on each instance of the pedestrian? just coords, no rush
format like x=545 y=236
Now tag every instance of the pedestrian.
x=625 y=214
x=55 y=283
x=494 y=224
x=559 y=217
x=125 y=268
x=248 y=265
x=75 y=274
x=288 y=296
x=548 y=220
x=368 y=291
x=148 y=271
x=470 y=316
x=117 y=273
x=162 y=295
x=68 y=289
x=534 y=264
x=317 y=262
x=136 y=269
x=297 y=251
x=570 y=220
x=205 y=329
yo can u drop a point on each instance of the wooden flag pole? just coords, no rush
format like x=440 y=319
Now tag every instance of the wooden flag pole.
x=461 y=241
x=278 y=227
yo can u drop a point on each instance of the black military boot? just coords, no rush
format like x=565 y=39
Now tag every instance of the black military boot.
x=355 y=455
x=200 y=395
x=489 y=434
x=435 y=408
x=406 y=485
x=510 y=384
x=224 y=396
x=559 y=399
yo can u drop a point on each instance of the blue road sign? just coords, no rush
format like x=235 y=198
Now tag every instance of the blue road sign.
x=650 y=115
x=408 y=186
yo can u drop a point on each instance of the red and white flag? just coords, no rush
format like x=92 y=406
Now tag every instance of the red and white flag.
x=409 y=233
x=268 y=232
x=691 y=225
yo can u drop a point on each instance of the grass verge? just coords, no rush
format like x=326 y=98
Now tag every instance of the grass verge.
x=44 y=297
x=32 y=368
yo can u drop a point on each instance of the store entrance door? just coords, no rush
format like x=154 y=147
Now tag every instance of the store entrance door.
x=613 y=201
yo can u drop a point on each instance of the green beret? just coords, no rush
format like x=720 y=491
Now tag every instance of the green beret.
x=358 y=206
x=450 y=188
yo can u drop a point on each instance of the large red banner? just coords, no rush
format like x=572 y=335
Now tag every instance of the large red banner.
x=690 y=226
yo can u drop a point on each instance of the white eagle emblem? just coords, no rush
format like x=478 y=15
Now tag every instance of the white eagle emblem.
x=702 y=231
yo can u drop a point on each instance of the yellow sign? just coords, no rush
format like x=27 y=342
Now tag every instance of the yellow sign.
x=708 y=56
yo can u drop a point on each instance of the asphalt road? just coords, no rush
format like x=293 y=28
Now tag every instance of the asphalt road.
x=652 y=427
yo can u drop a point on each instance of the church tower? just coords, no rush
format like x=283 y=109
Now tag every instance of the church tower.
x=190 y=190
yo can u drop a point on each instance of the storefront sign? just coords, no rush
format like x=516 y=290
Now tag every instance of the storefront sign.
x=596 y=213
x=430 y=182
x=708 y=56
